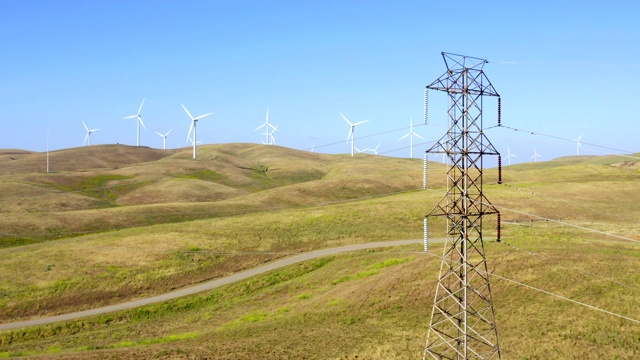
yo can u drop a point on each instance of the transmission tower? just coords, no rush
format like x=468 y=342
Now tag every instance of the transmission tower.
x=463 y=320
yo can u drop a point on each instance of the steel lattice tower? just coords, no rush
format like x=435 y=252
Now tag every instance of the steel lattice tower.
x=463 y=320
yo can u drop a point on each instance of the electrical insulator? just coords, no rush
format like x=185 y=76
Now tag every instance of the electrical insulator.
x=499 y=112
x=426 y=236
x=426 y=105
x=426 y=168
x=499 y=169
x=499 y=227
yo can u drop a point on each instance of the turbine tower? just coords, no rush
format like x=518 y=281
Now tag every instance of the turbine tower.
x=164 y=138
x=88 y=136
x=411 y=134
x=194 y=121
x=139 y=122
x=351 y=136
x=462 y=320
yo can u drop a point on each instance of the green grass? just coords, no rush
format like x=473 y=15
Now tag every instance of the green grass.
x=385 y=315
x=206 y=175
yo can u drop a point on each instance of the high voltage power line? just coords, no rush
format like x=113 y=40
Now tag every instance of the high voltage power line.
x=624 y=152
x=552 y=294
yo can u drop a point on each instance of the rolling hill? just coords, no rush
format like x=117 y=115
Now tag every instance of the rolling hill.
x=99 y=231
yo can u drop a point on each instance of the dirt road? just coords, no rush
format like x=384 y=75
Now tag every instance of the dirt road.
x=207 y=285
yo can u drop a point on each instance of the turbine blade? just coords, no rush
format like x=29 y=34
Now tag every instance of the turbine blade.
x=190 y=130
x=188 y=113
x=361 y=122
x=130 y=117
x=165 y=135
x=350 y=134
x=85 y=139
x=140 y=109
x=85 y=125
x=201 y=116
x=140 y=119
x=159 y=134
x=418 y=136
x=260 y=127
x=404 y=136
x=345 y=119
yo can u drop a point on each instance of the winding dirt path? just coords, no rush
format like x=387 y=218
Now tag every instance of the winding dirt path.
x=209 y=284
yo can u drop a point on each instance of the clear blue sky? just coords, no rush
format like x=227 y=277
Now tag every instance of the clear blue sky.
x=562 y=68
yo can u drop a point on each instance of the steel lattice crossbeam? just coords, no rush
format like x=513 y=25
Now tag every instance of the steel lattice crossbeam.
x=463 y=321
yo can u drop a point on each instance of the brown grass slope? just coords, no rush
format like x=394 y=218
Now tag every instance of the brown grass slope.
x=78 y=159
x=225 y=180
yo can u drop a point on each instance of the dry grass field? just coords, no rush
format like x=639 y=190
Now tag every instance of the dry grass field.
x=115 y=223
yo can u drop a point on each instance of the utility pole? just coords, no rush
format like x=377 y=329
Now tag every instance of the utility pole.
x=463 y=320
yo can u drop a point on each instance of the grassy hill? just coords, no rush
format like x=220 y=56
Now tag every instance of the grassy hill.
x=160 y=220
x=98 y=193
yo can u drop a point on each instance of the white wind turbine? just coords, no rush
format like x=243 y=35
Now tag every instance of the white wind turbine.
x=194 y=121
x=164 y=138
x=375 y=150
x=509 y=156
x=139 y=122
x=268 y=136
x=363 y=150
x=578 y=145
x=88 y=136
x=351 y=135
x=272 y=140
x=535 y=155
x=411 y=134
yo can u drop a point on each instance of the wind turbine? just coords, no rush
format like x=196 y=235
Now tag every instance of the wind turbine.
x=88 y=136
x=139 y=122
x=578 y=145
x=375 y=151
x=535 y=155
x=164 y=138
x=363 y=150
x=509 y=156
x=411 y=134
x=351 y=136
x=267 y=135
x=194 y=121
x=271 y=138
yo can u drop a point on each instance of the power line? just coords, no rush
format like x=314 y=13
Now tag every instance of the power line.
x=550 y=293
x=625 y=152
x=564 y=298
x=502 y=241
x=567 y=224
